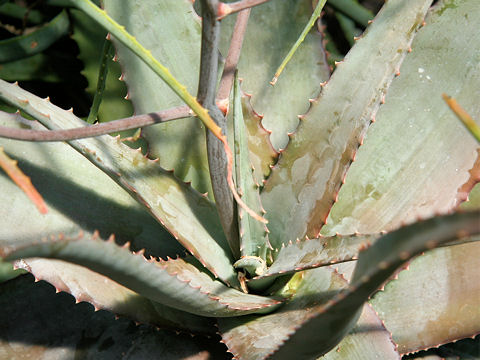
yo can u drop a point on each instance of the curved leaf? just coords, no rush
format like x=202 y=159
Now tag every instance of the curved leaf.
x=104 y=294
x=178 y=145
x=368 y=340
x=305 y=182
x=312 y=253
x=17 y=11
x=462 y=349
x=323 y=251
x=256 y=337
x=253 y=234
x=168 y=199
x=353 y=10
x=37 y=67
x=79 y=196
x=89 y=37
x=39 y=324
x=375 y=264
x=374 y=267
x=174 y=283
x=145 y=55
x=303 y=336
x=35 y=42
x=417 y=155
x=262 y=52
x=262 y=153
x=7 y=271
x=414 y=299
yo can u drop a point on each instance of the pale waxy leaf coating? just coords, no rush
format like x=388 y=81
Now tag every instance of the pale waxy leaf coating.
x=177 y=21
x=172 y=282
x=414 y=297
x=105 y=294
x=305 y=182
x=166 y=197
x=417 y=155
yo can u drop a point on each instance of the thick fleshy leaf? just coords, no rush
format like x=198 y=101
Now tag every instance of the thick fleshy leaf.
x=174 y=283
x=36 y=67
x=78 y=195
x=168 y=199
x=21 y=12
x=353 y=10
x=463 y=349
x=392 y=250
x=323 y=251
x=305 y=182
x=39 y=324
x=312 y=253
x=417 y=155
x=256 y=337
x=436 y=301
x=262 y=52
x=105 y=294
x=374 y=267
x=302 y=336
x=262 y=153
x=35 y=42
x=253 y=234
x=7 y=271
x=179 y=145
x=367 y=340
x=89 y=37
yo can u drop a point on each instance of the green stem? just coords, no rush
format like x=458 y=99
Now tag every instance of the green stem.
x=102 y=79
x=313 y=18
x=117 y=30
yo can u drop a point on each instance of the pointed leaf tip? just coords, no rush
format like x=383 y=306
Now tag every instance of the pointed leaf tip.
x=463 y=116
x=174 y=283
x=23 y=181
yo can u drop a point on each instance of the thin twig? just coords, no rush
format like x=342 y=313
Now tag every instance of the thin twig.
x=123 y=36
x=133 y=122
x=231 y=61
x=227 y=9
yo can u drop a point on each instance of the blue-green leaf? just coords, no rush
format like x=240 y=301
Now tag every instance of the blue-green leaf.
x=175 y=282
x=35 y=42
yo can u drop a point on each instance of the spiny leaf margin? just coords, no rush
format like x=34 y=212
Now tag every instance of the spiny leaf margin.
x=172 y=282
x=168 y=199
x=306 y=181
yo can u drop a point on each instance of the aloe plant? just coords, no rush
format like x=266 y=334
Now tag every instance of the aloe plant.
x=217 y=226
